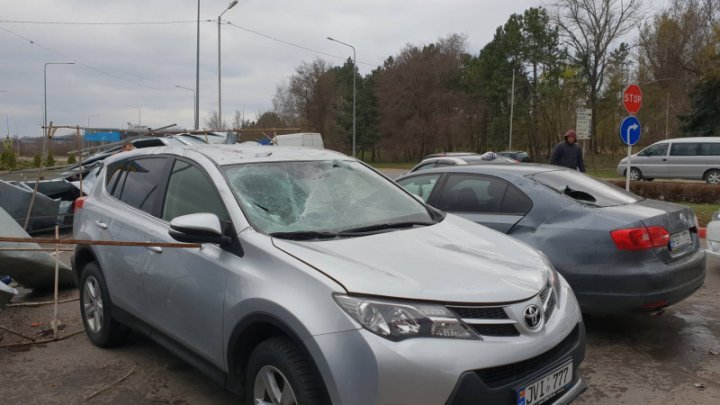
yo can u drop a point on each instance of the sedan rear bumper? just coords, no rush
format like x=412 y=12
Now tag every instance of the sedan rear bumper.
x=649 y=287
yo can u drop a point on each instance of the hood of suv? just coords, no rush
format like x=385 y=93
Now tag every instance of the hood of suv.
x=453 y=261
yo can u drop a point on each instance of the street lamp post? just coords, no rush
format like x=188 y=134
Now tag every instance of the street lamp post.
x=189 y=89
x=231 y=5
x=139 y=113
x=197 y=71
x=45 y=95
x=354 y=67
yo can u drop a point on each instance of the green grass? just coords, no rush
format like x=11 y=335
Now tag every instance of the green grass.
x=703 y=211
x=396 y=165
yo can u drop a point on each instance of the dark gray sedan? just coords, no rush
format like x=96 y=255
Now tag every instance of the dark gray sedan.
x=618 y=251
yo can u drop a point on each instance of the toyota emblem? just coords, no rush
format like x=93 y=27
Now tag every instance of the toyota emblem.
x=533 y=316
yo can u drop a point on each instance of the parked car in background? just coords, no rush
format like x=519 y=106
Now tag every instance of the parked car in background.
x=320 y=281
x=713 y=235
x=520 y=156
x=618 y=251
x=680 y=158
x=458 y=159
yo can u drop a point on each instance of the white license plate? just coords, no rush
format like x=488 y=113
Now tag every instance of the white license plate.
x=680 y=239
x=546 y=387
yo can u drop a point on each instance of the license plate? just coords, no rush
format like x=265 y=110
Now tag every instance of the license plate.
x=546 y=387
x=680 y=239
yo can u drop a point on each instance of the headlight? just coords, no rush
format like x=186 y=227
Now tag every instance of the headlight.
x=553 y=278
x=401 y=320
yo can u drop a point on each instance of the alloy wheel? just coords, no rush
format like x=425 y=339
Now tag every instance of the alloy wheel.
x=713 y=177
x=634 y=175
x=93 y=304
x=271 y=387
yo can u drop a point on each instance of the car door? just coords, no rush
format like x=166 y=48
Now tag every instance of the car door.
x=185 y=288
x=135 y=197
x=486 y=200
x=683 y=161
x=653 y=161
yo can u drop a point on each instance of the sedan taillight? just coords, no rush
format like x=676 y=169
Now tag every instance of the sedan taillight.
x=640 y=238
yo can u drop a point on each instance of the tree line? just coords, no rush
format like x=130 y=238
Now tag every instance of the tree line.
x=570 y=54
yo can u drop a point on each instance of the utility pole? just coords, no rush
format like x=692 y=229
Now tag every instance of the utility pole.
x=512 y=109
x=197 y=71
x=220 y=120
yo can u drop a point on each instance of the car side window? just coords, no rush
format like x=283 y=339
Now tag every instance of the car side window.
x=113 y=172
x=143 y=181
x=684 y=149
x=421 y=186
x=515 y=202
x=657 y=150
x=710 y=149
x=190 y=191
x=470 y=193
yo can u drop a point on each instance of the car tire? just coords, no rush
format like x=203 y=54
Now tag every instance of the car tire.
x=712 y=177
x=100 y=327
x=278 y=368
x=635 y=174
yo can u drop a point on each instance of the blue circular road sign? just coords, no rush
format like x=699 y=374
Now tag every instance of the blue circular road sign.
x=630 y=130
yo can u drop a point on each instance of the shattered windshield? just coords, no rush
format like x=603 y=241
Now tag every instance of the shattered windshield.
x=320 y=196
x=585 y=189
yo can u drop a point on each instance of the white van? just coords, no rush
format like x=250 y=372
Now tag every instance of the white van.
x=680 y=158
x=303 y=139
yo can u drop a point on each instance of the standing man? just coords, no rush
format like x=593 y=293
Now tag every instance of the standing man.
x=568 y=154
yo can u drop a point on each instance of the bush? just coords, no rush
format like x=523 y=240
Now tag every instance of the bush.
x=37 y=160
x=696 y=193
x=8 y=160
x=50 y=161
x=71 y=159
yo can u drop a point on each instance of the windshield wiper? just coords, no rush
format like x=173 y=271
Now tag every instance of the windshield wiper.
x=305 y=235
x=382 y=227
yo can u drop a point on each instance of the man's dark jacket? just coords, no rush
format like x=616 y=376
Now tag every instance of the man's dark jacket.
x=567 y=155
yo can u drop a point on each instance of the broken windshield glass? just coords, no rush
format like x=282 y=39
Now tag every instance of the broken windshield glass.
x=319 y=196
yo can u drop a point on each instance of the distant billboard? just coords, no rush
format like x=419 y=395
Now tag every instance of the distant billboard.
x=108 y=136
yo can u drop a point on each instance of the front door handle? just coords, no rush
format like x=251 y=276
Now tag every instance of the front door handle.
x=100 y=224
x=155 y=249
x=664 y=160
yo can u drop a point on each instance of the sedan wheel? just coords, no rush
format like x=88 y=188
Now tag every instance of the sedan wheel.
x=713 y=177
x=271 y=387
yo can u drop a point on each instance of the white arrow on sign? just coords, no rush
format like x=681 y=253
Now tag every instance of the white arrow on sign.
x=631 y=128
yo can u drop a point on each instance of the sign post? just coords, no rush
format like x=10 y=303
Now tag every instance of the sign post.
x=630 y=129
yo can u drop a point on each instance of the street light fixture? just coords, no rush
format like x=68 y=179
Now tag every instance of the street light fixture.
x=354 y=68
x=231 y=5
x=193 y=92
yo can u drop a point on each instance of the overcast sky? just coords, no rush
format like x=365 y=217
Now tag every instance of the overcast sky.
x=122 y=68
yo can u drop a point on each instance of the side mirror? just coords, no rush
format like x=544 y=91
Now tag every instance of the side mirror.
x=198 y=228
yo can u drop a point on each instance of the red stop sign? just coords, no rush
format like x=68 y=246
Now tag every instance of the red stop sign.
x=632 y=98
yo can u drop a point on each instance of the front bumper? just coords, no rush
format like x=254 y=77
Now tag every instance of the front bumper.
x=360 y=367
x=499 y=385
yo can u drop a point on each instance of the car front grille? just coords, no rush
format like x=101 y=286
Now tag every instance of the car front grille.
x=511 y=373
x=486 y=321
x=479 y=312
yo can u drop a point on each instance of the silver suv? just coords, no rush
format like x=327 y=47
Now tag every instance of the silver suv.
x=320 y=281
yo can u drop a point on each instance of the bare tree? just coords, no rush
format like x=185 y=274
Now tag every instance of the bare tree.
x=591 y=28
x=214 y=121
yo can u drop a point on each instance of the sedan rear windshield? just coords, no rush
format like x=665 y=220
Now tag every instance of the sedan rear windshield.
x=585 y=189
x=320 y=196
